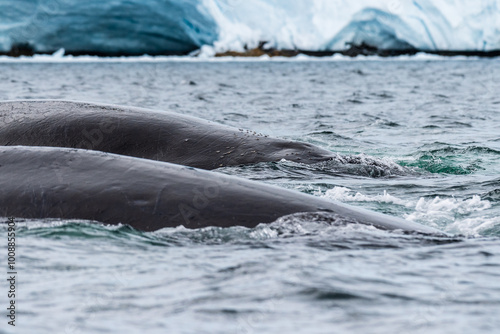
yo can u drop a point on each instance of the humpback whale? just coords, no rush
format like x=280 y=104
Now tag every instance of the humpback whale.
x=143 y=133
x=53 y=182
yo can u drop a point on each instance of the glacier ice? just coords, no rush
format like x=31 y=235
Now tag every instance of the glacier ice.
x=335 y=24
x=179 y=26
x=106 y=26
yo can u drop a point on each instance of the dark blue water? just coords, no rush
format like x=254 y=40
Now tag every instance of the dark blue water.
x=415 y=139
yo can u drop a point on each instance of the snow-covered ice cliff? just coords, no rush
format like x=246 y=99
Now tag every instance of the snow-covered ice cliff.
x=181 y=26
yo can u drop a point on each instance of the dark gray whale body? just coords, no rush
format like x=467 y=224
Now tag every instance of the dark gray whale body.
x=144 y=133
x=48 y=182
x=62 y=170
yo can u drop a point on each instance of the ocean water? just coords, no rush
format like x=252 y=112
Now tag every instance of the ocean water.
x=418 y=139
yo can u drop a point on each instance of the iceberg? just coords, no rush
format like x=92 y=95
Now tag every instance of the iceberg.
x=110 y=27
x=335 y=25
x=134 y=27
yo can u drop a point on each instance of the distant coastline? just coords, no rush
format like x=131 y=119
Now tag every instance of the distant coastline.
x=353 y=51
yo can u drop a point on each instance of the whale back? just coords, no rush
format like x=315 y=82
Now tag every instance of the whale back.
x=143 y=133
x=49 y=182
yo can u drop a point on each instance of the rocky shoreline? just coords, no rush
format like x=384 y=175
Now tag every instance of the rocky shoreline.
x=363 y=49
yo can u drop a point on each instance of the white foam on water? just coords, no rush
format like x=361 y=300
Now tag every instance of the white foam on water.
x=344 y=194
x=452 y=214
x=439 y=205
x=449 y=213
x=263 y=232
x=473 y=226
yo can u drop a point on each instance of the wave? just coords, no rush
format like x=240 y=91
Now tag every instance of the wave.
x=313 y=230
x=442 y=158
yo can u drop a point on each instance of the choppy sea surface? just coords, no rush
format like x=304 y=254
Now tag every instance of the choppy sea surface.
x=418 y=139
